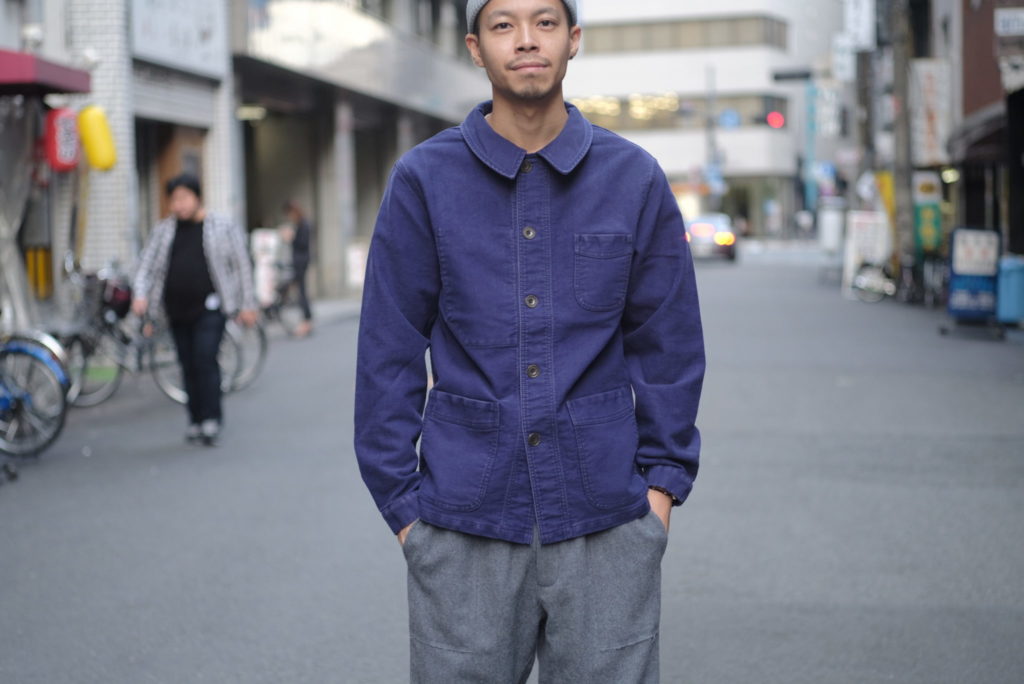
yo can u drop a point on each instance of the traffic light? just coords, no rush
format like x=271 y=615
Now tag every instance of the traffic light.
x=775 y=119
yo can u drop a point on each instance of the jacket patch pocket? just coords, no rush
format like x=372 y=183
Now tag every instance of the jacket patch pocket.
x=601 y=269
x=606 y=439
x=457 y=450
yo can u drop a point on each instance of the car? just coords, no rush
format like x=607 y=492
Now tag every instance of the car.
x=712 y=235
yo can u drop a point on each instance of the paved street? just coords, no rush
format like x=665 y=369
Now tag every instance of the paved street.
x=858 y=516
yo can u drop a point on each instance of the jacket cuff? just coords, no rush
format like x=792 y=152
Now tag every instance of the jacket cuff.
x=674 y=480
x=402 y=511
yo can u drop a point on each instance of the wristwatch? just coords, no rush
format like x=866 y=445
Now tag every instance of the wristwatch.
x=675 y=499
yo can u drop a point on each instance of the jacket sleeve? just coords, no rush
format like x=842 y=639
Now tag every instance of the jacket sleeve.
x=142 y=284
x=400 y=301
x=243 y=265
x=664 y=344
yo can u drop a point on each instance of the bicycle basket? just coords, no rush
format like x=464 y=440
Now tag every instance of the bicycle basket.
x=117 y=297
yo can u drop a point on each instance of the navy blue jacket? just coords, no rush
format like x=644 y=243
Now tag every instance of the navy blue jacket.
x=555 y=292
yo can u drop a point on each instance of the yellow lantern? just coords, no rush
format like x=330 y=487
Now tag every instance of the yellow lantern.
x=97 y=140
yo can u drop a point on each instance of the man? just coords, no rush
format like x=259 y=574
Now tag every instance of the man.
x=196 y=266
x=299 y=233
x=543 y=263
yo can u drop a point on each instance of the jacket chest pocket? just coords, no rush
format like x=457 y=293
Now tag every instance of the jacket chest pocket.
x=457 y=450
x=601 y=269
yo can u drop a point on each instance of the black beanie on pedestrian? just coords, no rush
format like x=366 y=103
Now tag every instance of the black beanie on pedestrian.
x=185 y=180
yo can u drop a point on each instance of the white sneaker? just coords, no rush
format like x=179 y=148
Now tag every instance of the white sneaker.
x=209 y=431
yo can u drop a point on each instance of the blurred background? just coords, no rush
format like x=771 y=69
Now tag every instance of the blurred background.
x=781 y=114
x=859 y=511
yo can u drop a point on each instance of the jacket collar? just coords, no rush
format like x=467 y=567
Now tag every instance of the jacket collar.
x=564 y=153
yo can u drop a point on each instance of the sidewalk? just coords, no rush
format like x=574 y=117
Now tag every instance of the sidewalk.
x=334 y=310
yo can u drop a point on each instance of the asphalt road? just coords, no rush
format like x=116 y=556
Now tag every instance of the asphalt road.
x=859 y=516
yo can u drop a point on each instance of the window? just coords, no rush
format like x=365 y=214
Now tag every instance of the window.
x=688 y=34
x=641 y=111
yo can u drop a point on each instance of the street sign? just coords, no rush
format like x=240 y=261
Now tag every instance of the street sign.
x=729 y=118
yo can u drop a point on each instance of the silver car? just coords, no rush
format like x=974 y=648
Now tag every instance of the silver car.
x=712 y=235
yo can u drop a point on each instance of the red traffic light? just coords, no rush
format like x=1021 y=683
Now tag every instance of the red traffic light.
x=775 y=119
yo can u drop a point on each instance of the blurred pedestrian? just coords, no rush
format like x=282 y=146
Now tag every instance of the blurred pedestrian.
x=543 y=263
x=299 y=235
x=196 y=268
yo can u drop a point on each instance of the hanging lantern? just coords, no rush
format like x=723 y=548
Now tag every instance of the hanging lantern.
x=97 y=140
x=60 y=139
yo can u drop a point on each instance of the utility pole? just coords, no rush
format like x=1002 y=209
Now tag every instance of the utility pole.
x=902 y=53
x=713 y=172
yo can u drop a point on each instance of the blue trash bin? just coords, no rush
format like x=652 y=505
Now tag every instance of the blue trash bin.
x=1010 y=302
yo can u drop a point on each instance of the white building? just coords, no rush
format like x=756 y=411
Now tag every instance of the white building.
x=653 y=69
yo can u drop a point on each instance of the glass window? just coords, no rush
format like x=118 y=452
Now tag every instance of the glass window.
x=749 y=31
x=640 y=111
x=718 y=32
x=635 y=37
x=686 y=34
x=689 y=35
x=663 y=37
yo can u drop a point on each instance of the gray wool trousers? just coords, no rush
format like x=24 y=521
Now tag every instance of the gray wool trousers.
x=587 y=609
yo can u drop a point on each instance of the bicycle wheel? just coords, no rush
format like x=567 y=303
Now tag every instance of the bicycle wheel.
x=869 y=284
x=96 y=366
x=33 y=400
x=253 y=344
x=163 y=363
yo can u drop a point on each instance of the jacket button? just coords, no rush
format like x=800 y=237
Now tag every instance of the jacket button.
x=527 y=166
x=532 y=301
x=533 y=439
x=533 y=370
x=529 y=232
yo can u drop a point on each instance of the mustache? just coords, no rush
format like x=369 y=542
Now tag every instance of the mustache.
x=532 y=61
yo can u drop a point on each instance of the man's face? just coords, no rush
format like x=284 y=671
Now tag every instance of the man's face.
x=184 y=203
x=524 y=45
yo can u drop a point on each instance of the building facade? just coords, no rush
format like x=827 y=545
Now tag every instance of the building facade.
x=698 y=88
x=267 y=101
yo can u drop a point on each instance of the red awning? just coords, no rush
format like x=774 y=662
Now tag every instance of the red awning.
x=26 y=74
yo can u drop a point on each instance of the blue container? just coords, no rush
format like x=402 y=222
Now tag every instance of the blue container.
x=1010 y=303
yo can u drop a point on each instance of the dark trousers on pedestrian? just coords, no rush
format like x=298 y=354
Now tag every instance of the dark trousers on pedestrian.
x=299 y=278
x=198 y=343
x=587 y=609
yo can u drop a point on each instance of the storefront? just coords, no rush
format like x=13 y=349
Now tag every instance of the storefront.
x=27 y=197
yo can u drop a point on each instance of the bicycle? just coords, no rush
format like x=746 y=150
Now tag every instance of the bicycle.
x=253 y=346
x=34 y=384
x=110 y=344
x=285 y=309
x=934 y=276
x=873 y=283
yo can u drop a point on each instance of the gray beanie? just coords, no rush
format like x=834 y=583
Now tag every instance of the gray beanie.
x=473 y=8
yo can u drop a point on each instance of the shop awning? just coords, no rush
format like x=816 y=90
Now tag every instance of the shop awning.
x=22 y=73
x=980 y=138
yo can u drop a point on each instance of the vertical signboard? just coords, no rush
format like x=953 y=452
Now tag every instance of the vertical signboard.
x=929 y=111
x=927 y=212
x=859 y=23
x=974 y=267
